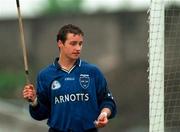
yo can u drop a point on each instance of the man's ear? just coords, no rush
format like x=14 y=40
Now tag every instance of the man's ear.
x=60 y=44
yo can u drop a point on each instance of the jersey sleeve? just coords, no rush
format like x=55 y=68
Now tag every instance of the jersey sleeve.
x=105 y=98
x=42 y=110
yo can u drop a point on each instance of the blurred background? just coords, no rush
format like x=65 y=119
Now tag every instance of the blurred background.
x=116 y=34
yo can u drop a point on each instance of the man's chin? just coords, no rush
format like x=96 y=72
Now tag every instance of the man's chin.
x=74 y=57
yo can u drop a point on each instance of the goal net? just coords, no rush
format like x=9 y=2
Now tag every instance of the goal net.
x=164 y=66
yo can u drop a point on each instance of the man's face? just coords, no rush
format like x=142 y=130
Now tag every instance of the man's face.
x=71 y=48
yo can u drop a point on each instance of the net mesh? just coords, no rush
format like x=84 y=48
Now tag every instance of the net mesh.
x=172 y=66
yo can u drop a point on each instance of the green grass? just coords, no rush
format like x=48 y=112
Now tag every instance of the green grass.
x=10 y=82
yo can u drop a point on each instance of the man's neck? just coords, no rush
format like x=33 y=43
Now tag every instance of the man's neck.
x=66 y=63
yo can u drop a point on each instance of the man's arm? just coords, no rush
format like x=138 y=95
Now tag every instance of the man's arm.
x=37 y=110
x=105 y=100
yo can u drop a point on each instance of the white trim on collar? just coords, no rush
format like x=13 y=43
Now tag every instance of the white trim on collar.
x=79 y=62
x=67 y=70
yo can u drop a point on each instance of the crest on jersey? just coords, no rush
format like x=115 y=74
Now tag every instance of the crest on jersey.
x=55 y=85
x=84 y=80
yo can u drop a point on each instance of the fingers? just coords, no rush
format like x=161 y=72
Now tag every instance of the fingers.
x=29 y=92
x=100 y=124
x=101 y=121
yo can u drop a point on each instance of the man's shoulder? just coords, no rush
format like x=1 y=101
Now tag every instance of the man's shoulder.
x=47 y=70
x=92 y=68
x=87 y=65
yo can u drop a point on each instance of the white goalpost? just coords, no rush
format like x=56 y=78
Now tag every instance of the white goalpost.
x=164 y=66
x=156 y=66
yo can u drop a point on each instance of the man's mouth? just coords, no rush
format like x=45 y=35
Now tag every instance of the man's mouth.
x=77 y=53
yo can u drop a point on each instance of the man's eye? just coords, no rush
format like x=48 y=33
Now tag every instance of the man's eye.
x=80 y=44
x=73 y=43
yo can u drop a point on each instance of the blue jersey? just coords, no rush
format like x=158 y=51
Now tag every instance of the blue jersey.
x=72 y=99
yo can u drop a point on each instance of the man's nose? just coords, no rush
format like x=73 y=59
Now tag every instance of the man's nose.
x=78 y=47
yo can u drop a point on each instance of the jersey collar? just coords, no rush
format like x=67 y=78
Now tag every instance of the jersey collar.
x=56 y=64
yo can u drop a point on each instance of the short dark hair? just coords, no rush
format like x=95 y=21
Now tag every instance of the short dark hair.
x=69 y=28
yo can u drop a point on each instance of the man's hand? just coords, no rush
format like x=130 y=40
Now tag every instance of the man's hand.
x=102 y=120
x=29 y=93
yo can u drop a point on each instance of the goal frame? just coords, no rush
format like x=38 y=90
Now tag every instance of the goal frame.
x=156 y=66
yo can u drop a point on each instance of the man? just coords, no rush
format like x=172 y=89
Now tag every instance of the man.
x=72 y=94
